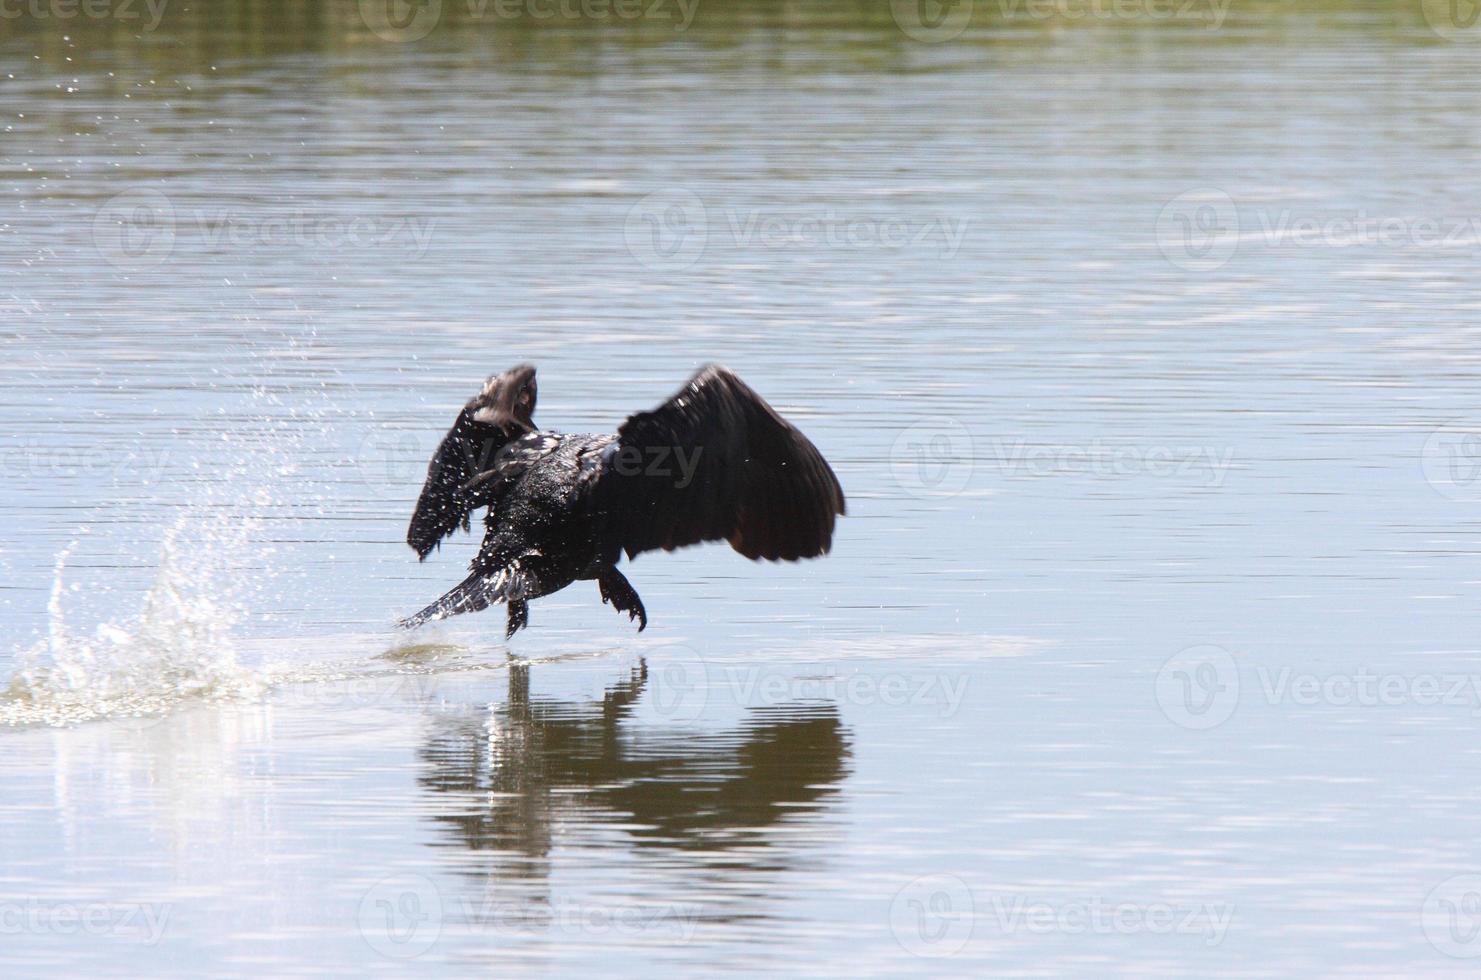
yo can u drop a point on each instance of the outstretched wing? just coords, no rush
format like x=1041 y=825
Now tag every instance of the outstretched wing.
x=458 y=476
x=715 y=462
x=476 y=481
x=446 y=502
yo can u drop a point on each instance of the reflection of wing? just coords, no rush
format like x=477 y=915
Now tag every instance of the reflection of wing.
x=715 y=462
x=512 y=776
x=721 y=790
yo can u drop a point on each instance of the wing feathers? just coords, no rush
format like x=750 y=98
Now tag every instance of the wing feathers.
x=755 y=480
x=478 y=591
x=460 y=470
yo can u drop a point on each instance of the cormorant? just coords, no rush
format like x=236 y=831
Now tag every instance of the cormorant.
x=714 y=462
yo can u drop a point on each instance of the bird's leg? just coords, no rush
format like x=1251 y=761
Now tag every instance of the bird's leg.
x=619 y=592
x=519 y=617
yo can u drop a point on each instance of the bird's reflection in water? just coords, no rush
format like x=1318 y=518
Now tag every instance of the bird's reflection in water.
x=521 y=771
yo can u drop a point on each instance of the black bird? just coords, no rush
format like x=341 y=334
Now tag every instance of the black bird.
x=714 y=462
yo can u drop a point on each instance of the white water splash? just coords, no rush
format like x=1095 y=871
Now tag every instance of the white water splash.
x=178 y=647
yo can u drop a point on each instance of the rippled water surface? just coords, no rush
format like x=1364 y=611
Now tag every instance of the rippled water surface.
x=1146 y=351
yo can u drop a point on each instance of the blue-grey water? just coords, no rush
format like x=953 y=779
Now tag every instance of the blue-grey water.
x=1145 y=349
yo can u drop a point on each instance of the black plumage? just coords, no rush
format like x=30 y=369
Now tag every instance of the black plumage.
x=713 y=463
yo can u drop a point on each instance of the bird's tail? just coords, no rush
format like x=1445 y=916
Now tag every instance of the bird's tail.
x=478 y=591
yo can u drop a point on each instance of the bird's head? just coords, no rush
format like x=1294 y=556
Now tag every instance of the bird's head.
x=507 y=400
x=503 y=410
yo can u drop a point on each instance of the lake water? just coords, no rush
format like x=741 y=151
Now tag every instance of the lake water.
x=1145 y=347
